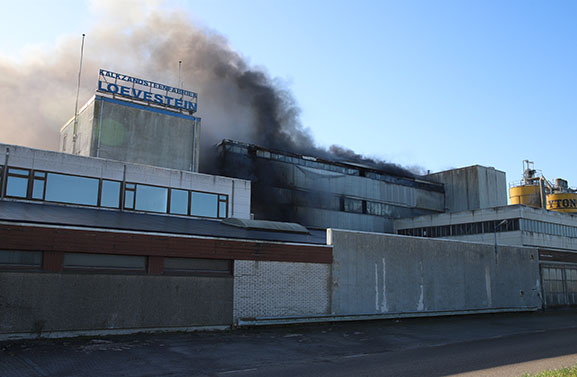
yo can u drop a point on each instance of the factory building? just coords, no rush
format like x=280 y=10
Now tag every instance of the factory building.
x=541 y=216
x=118 y=232
x=319 y=193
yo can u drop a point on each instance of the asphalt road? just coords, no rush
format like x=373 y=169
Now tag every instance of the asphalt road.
x=487 y=345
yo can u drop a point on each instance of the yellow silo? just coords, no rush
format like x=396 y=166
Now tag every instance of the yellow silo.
x=529 y=195
x=562 y=202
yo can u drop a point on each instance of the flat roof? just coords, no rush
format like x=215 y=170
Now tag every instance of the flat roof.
x=59 y=215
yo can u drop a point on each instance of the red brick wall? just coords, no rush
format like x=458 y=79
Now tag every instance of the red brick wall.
x=60 y=240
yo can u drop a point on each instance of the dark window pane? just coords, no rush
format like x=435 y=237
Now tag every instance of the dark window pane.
x=110 y=196
x=104 y=261
x=17 y=187
x=129 y=199
x=353 y=205
x=71 y=189
x=203 y=204
x=39 y=174
x=179 y=202
x=38 y=190
x=197 y=265
x=150 y=198
x=21 y=258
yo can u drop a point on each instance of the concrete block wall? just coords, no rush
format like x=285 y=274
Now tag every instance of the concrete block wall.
x=378 y=273
x=280 y=289
x=238 y=190
x=46 y=302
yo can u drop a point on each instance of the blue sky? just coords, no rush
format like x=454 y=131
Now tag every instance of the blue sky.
x=439 y=84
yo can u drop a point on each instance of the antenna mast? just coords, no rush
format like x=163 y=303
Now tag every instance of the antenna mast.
x=179 y=67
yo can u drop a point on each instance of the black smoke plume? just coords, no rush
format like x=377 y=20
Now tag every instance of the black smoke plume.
x=236 y=101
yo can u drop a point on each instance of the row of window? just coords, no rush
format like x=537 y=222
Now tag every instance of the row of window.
x=462 y=229
x=525 y=225
x=548 y=228
x=311 y=163
x=87 y=191
x=333 y=202
x=86 y=262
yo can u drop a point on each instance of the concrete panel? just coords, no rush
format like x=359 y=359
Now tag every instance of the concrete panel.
x=280 y=289
x=141 y=136
x=40 y=302
x=379 y=273
x=472 y=187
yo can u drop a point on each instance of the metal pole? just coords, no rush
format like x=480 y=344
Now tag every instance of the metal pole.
x=179 y=67
x=75 y=133
x=497 y=227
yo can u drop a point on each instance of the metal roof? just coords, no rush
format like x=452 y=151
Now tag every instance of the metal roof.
x=59 y=215
x=266 y=225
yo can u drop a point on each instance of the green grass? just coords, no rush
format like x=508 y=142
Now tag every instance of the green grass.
x=564 y=372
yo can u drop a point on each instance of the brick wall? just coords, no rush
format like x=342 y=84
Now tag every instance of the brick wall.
x=280 y=289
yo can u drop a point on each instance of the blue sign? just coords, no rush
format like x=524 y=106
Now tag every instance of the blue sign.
x=152 y=92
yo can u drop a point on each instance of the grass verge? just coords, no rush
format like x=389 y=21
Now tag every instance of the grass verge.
x=563 y=372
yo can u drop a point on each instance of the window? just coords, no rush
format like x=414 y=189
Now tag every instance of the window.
x=20 y=259
x=17 y=183
x=203 y=204
x=71 y=189
x=38 y=185
x=185 y=266
x=129 y=190
x=110 y=194
x=104 y=262
x=353 y=205
x=151 y=198
x=179 y=202
x=222 y=206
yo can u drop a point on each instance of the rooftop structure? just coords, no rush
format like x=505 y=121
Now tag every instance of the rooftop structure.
x=138 y=121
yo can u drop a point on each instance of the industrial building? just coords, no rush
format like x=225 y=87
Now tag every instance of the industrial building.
x=325 y=194
x=540 y=216
x=119 y=232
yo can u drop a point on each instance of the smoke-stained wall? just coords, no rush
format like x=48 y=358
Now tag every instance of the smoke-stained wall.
x=321 y=194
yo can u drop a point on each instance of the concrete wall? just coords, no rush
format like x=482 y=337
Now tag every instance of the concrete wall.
x=238 y=190
x=123 y=131
x=379 y=273
x=84 y=131
x=280 y=289
x=472 y=187
x=44 y=302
